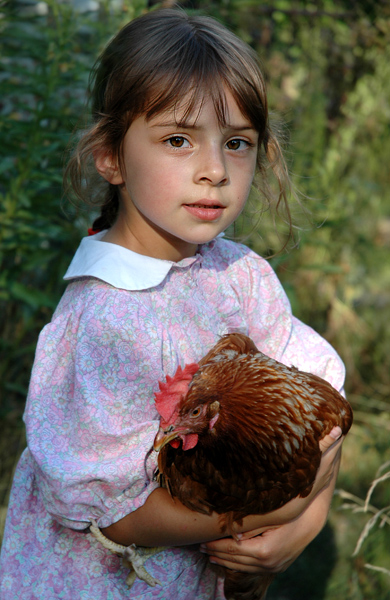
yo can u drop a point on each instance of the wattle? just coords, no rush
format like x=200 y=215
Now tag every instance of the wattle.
x=190 y=441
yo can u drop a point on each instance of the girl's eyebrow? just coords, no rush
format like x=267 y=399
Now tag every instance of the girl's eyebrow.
x=185 y=125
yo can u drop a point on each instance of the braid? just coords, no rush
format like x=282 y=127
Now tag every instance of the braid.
x=109 y=210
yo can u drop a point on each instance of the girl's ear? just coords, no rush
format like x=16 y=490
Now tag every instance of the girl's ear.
x=107 y=167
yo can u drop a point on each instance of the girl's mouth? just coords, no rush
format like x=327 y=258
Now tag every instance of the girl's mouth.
x=205 y=212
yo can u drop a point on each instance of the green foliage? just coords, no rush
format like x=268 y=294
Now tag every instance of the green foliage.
x=45 y=65
x=328 y=72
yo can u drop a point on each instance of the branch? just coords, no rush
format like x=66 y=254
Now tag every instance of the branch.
x=368 y=527
x=359 y=505
x=373 y=486
x=380 y=569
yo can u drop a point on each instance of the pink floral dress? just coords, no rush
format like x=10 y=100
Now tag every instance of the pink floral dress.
x=124 y=322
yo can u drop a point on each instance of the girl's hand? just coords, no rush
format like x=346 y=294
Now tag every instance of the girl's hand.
x=274 y=548
x=273 y=551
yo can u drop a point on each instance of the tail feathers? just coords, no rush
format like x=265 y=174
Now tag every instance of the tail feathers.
x=246 y=586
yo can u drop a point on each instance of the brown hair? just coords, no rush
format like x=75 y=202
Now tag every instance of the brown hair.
x=149 y=67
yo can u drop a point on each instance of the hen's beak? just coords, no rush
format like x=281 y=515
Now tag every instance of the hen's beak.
x=163 y=437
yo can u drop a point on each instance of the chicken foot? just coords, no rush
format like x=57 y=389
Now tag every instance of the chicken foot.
x=133 y=557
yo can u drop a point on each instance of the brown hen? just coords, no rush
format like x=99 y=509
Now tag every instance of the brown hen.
x=243 y=433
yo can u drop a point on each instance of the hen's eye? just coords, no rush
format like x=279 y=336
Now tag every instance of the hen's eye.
x=195 y=412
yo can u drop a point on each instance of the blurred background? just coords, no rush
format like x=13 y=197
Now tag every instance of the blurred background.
x=327 y=65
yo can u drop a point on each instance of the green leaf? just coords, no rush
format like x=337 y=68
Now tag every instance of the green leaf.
x=31 y=296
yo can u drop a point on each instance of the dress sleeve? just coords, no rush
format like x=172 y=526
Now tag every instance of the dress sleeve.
x=308 y=351
x=278 y=333
x=90 y=413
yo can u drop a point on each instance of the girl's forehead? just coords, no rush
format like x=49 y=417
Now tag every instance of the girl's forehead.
x=189 y=108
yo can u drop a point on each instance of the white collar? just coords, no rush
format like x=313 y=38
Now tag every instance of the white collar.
x=118 y=266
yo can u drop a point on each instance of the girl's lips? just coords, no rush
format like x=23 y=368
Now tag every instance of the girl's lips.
x=205 y=212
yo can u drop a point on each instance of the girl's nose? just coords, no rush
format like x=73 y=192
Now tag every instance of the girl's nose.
x=211 y=167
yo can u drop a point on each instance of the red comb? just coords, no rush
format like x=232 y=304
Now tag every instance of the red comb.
x=171 y=393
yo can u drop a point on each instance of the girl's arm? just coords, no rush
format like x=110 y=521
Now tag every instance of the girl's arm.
x=162 y=521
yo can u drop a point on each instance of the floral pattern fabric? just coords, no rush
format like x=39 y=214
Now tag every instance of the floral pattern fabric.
x=91 y=420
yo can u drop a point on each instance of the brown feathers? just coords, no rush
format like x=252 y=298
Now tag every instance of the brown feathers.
x=252 y=427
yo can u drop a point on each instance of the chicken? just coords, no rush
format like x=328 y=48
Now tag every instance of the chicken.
x=239 y=435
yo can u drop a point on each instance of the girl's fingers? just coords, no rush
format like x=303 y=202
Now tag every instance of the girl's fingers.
x=246 y=552
x=333 y=438
x=248 y=556
x=231 y=560
x=226 y=547
x=236 y=566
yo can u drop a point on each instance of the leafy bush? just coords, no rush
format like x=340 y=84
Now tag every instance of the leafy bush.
x=44 y=73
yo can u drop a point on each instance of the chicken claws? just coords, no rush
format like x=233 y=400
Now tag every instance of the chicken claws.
x=133 y=557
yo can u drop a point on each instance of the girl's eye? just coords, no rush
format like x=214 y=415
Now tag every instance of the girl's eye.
x=177 y=141
x=237 y=144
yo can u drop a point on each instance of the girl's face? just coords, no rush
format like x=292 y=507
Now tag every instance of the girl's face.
x=181 y=185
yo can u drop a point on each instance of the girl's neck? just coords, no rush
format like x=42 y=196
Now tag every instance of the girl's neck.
x=162 y=247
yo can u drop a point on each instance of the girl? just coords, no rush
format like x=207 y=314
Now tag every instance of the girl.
x=180 y=127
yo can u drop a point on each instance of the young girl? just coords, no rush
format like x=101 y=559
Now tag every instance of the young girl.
x=180 y=128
